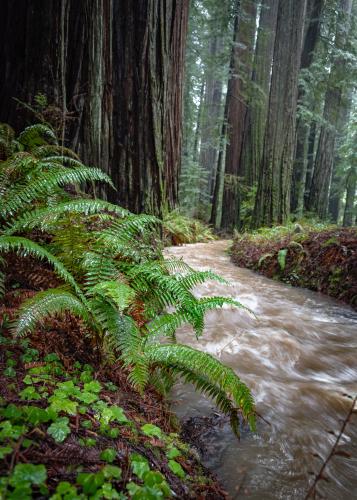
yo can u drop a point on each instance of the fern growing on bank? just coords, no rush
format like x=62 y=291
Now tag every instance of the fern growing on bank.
x=110 y=264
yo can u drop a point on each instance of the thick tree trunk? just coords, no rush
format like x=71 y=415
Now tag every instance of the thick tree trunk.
x=258 y=105
x=314 y=8
x=321 y=181
x=149 y=43
x=273 y=196
x=114 y=69
x=238 y=85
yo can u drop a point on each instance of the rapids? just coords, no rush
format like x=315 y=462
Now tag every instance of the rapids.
x=299 y=358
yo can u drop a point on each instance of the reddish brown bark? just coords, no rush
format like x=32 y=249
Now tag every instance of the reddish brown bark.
x=238 y=85
x=117 y=68
x=273 y=196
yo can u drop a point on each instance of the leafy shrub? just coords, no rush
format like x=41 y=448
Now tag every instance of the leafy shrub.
x=179 y=229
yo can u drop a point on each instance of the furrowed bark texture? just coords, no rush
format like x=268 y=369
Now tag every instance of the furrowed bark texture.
x=325 y=155
x=349 y=216
x=211 y=118
x=237 y=95
x=314 y=8
x=338 y=181
x=114 y=70
x=273 y=195
x=258 y=106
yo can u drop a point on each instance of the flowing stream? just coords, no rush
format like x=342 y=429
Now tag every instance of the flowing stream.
x=299 y=358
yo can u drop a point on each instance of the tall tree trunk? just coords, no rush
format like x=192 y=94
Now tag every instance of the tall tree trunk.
x=320 y=185
x=241 y=69
x=258 y=105
x=273 y=195
x=211 y=115
x=198 y=124
x=314 y=8
x=338 y=181
x=114 y=69
x=311 y=142
x=349 y=216
x=219 y=180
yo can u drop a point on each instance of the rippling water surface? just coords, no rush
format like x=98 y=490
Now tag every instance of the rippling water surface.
x=299 y=357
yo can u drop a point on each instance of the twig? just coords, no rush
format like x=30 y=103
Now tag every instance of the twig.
x=332 y=452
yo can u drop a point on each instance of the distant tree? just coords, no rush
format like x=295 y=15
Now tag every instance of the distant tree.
x=237 y=108
x=207 y=57
x=349 y=216
x=273 y=196
x=325 y=156
x=312 y=32
x=259 y=95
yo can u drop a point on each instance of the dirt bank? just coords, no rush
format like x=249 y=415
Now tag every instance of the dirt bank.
x=324 y=261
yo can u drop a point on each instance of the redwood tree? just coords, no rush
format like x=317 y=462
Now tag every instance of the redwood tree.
x=325 y=155
x=273 y=195
x=113 y=70
x=237 y=106
x=314 y=10
x=258 y=105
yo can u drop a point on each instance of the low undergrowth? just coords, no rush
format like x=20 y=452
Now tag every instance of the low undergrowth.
x=179 y=229
x=71 y=431
x=323 y=259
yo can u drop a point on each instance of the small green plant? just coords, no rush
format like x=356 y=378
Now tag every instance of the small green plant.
x=282 y=258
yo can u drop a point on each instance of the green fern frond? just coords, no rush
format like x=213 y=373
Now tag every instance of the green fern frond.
x=70 y=241
x=23 y=246
x=122 y=237
x=119 y=294
x=46 y=304
x=123 y=336
x=45 y=184
x=51 y=150
x=37 y=135
x=205 y=386
x=207 y=303
x=163 y=379
x=203 y=367
x=98 y=267
x=197 y=277
x=7 y=136
x=7 y=133
x=177 y=266
x=45 y=217
x=166 y=325
x=65 y=161
x=152 y=277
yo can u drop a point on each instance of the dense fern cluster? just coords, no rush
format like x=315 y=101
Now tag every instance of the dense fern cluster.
x=109 y=270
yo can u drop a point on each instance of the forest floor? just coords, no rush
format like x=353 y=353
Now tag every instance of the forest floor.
x=72 y=427
x=322 y=260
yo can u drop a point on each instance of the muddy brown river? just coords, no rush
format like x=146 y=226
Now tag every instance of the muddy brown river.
x=299 y=357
